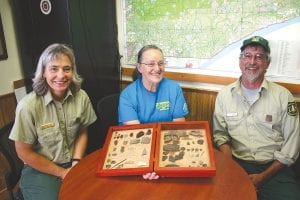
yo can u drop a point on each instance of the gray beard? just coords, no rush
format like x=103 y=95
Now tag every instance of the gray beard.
x=251 y=77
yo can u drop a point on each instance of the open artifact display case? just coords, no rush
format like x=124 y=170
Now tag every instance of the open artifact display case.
x=171 y=149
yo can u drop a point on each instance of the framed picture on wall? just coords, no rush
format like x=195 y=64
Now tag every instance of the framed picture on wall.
x=3 y=51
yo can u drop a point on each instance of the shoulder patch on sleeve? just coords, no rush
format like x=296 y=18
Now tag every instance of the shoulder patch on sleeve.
x=292 y=109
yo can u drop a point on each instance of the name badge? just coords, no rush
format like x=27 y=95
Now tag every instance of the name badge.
x=232 y=114
x=48 y=125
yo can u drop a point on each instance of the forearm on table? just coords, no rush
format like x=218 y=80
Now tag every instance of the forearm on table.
x=272 y=170
x=37 y=161
x=181 y=119
x=131 y=122
x=80 y=144
x=226 y=149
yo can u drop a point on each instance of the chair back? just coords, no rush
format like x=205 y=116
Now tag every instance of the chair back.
x=9 y=155
x=107 y=111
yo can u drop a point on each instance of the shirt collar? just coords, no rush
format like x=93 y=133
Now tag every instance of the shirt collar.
x=236 y=86
x=48 y=96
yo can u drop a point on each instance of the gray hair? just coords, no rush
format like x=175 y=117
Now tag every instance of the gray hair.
x=136 y=74
x=268 y=56
x=145 y=48
x=52 y=52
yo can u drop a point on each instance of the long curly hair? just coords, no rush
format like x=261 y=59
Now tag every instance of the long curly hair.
x=52 y=52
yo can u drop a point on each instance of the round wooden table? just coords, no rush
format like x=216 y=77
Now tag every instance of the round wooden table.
x=231 y=182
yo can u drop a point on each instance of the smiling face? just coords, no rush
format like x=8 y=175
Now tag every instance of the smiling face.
x=254 y=63
x=58 y=74
x=152 y=67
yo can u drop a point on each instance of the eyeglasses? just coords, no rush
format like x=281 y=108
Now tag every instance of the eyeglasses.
x=249 y=57
x=153 y=64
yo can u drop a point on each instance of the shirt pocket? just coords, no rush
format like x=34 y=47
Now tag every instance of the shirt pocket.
x=234 y=120
x=269 y=124
x=49 y=138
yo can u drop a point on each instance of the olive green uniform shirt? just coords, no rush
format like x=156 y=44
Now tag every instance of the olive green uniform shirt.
x=262 y=132
x=51 y=126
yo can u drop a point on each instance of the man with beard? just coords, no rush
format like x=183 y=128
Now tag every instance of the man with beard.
x=256 y=123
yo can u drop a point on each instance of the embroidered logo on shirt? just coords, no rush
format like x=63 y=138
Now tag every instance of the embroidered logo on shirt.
x=165 y=105
x=292 y=109
x=48 y=125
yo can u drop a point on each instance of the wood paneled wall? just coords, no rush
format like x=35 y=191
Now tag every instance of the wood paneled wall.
x=8 y=105
x=200 y=102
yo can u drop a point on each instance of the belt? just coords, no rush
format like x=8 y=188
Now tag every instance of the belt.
x=254 y=162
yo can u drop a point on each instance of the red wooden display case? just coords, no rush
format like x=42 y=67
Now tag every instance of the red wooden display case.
x=128 y=150
x=171 y=149
x=184 y=149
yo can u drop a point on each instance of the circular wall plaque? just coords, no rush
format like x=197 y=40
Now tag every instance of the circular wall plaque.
x=45 y=6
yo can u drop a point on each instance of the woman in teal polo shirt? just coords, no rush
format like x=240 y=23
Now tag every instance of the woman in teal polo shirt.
x=152 y=97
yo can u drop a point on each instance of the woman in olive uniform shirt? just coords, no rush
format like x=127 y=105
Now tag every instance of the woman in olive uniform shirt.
x=50 y=129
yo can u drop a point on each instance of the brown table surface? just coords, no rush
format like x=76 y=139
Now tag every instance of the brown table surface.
x=231 y=182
